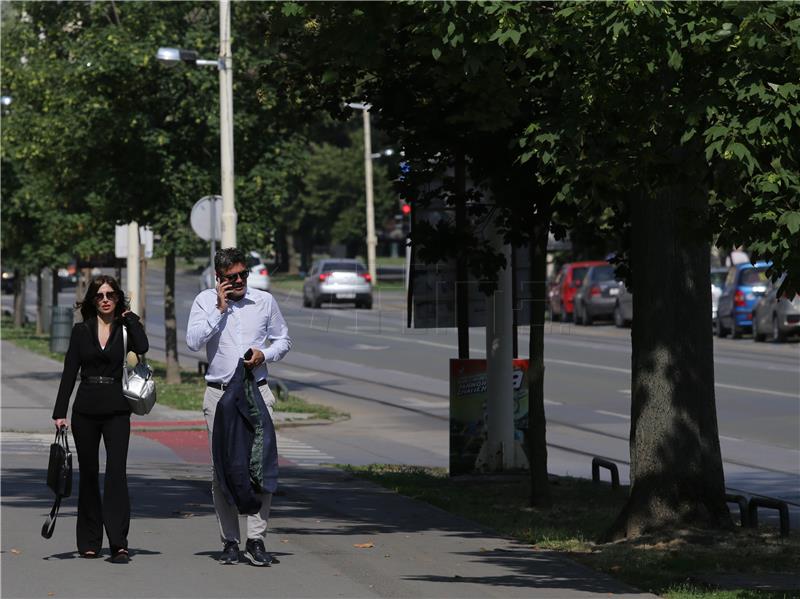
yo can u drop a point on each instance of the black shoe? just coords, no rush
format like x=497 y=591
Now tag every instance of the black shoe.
x=254 y=551
x=120 y=556
x=230 y=554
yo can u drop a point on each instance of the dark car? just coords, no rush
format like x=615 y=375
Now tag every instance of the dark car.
x=560 y=297
x=597 y=295
x=744 y=286
x=337 y=280
x=8 y=281
x=776 y=316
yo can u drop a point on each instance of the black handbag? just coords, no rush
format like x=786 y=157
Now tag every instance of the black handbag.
x=59 y=477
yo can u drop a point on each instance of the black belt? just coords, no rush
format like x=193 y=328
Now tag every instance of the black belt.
x=100 y=380
x=223 y=386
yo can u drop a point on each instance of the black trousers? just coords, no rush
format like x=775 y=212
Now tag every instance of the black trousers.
x=114 y=509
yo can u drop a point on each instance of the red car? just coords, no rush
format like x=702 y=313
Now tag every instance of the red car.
x=562 y=293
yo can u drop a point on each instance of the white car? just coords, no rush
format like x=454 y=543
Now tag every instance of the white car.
x=257 y=279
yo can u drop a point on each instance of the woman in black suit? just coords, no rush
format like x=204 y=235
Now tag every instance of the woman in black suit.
x=100 y=410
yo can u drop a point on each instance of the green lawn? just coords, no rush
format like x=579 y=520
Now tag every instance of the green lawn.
x=186 y=395
x=581 y=512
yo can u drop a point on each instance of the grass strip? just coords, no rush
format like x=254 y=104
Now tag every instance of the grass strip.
x=581 y=512
x=186 y=395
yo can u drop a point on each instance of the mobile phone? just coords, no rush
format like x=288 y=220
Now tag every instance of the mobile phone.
x=248 y=354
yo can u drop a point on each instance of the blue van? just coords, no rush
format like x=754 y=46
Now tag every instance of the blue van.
x=744 y=286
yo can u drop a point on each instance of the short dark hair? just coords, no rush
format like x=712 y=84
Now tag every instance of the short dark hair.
x=87 y=306
x=227 y=257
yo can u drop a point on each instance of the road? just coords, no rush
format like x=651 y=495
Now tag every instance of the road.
x=394 y=382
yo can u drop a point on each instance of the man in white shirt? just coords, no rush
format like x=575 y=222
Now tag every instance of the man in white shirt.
x=230 y=320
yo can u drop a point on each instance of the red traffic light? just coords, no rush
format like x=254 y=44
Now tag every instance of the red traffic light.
x=406 y=209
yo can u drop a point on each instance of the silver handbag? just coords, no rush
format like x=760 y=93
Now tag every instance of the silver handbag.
x=138 y=385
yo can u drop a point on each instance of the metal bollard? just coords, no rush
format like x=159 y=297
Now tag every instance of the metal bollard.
x=769 y=502
x=61 y=329
x=610 y=466
x=741 y=501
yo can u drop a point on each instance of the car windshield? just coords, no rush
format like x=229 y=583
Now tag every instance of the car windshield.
x=355 y=267
x=718 y=278
x=753 y=276
x=578 y=273
x=603 y=273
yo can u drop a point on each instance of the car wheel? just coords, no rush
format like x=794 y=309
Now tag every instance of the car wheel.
x=565 y=316
x=553 y=316
x=736 y=330
x=757 y=335
x=586 y=318
x=777 y=335
x=720 y=328
x=577 y=318
x=366 y=304
x=619 y=322
x=306 y=301
x=316 y=302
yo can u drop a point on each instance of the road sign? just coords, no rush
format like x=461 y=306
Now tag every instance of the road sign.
x=205 y=211
x=121 y=241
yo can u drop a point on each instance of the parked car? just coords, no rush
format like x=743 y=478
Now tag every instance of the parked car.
x=337 y=280
x=778 y=317
x=623 y=307
x=562 y=293
x=718 y=275
x=745 y=284
x=257 y=279
x=597 y=294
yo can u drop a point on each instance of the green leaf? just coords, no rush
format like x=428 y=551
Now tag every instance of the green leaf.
x=436 y=53
x=675 y=60
x=791 y=220
x=688 y=135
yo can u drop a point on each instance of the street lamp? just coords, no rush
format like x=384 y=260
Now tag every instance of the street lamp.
x=372 y=240
x=173 y=56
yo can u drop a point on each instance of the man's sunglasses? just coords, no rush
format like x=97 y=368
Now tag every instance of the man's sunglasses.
x=231 y=278
x=109 y=295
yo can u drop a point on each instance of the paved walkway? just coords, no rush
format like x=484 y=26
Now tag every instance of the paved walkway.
x=319 y=517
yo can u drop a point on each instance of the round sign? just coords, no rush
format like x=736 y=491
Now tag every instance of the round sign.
x=206 y=211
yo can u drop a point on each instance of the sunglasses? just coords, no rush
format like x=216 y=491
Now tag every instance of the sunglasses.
x=109 y=295
x=231 y=278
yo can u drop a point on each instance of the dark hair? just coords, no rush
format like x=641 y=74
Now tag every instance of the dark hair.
x=87 y=307
x=227 y=257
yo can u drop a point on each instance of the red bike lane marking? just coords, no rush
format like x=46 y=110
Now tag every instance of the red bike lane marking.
x=191 y=446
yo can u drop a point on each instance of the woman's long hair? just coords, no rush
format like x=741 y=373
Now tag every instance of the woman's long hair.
x=87 y=306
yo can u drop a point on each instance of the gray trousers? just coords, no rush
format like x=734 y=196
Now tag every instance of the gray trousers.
x=227 y=514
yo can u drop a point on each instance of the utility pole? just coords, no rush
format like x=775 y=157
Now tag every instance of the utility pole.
x=226 y=125
x=372 y=240
x=499 y=367
x=133 y=266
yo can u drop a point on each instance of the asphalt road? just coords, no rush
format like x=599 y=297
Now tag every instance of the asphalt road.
x=394 y=382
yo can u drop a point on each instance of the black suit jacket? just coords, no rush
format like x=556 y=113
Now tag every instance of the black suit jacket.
x=243 y=445
x=86 y=355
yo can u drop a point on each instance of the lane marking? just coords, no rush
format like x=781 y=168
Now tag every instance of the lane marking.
x=730 y=438
x=421 y=403
x=624 y=416
x=754 y=390
x=552 y=402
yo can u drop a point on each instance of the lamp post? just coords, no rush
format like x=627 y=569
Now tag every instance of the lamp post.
x=372 y=240
x=174 y=56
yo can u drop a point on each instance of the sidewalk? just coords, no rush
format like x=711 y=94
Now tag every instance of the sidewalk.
x=318 y=518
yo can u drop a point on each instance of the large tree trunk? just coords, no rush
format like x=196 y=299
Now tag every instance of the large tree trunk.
x=537 y=429
x=676 y=466
x=170 y=322
x=293 y=257
x=40 y=303
x=19 y=298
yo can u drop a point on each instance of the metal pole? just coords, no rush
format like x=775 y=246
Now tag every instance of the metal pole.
x=226 y=125
x=372 y=241
x=499 y=368
x=214 y=229
x=133 y=265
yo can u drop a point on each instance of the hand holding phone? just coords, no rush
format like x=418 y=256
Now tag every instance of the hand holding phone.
x=248 y=354
x=223 y=292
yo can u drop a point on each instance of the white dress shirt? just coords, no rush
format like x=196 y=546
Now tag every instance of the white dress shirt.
x=249 y=322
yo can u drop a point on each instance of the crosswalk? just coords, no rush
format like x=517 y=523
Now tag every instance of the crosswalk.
x=294 y=451
x=301 y=454
x=27 y=443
